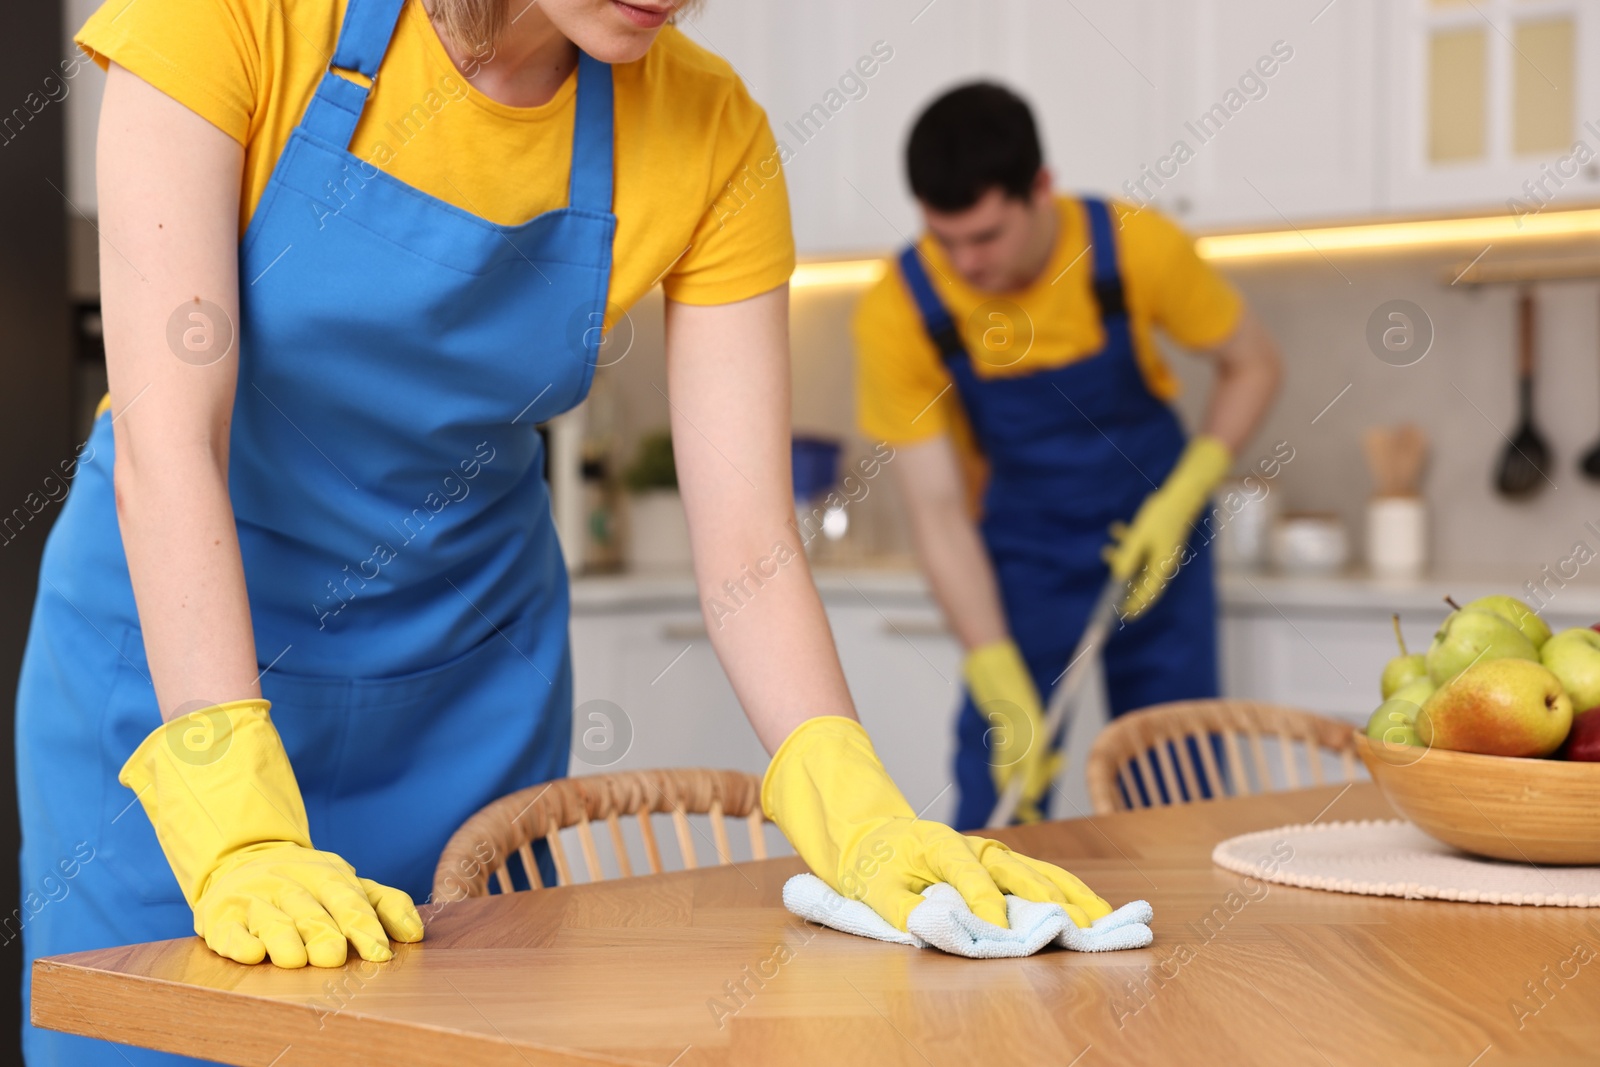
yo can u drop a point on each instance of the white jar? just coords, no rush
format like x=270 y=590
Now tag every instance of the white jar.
x=1397 y=536
x=1241 y=519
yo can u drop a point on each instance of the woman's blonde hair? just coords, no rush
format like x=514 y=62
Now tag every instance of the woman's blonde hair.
x=477 y=24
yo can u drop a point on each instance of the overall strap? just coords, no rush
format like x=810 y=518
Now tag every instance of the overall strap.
x=1107 y=276
x=592 y=137
x=363 y=39
x=935 y=316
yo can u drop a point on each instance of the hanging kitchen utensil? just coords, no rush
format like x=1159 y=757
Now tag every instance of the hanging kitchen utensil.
x=1591 y=460
x=1526 y=456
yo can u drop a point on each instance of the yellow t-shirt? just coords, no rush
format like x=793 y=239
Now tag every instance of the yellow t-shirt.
x=904 y=393
x=686 y=133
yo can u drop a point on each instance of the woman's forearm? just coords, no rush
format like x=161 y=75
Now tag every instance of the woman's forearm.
x=728 y=380
x=169 y=231
x=188 y=582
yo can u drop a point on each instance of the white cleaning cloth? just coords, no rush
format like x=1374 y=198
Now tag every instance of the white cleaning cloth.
x=944 y=921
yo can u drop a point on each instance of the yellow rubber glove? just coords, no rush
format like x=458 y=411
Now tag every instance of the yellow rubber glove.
x=1004 y=692
x=827 y=791
x=1149 y=551
x=222 y=797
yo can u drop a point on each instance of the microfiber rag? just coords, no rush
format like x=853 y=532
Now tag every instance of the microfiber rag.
x=944 y=921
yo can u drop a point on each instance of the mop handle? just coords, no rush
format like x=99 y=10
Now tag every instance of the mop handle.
x=1063 y=697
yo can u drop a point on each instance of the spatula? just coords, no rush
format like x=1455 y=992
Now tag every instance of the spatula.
x=1526 y=456
x=1591 y=463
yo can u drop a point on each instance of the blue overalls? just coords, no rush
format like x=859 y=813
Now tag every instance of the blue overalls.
x=408 y=595
x=1070 y=451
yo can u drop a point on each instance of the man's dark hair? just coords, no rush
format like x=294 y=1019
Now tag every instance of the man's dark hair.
x=972 y=139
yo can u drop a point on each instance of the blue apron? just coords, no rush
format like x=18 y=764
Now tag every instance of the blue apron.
x=1070 y=451
x=407 y=591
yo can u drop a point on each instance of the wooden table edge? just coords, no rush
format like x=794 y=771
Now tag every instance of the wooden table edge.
x=379 y=1041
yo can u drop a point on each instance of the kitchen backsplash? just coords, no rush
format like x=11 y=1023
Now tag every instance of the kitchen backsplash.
x=1462 y=393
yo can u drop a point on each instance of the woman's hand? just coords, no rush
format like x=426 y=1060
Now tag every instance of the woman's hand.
x=828 y=792
x=222 y=797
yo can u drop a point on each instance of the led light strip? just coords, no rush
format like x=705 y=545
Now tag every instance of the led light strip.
x=1364 y=237
x=1423 y=233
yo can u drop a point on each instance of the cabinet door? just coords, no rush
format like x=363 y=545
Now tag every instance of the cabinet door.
x=649 y=692
x=1323 y=660
x=1090 y=70
x=1271 y=114
x=1494 y=105
x=904 y=671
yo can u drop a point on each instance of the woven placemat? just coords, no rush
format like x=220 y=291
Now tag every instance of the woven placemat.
x=1392 y=858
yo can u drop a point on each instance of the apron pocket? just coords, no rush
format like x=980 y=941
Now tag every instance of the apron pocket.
x=390 y=766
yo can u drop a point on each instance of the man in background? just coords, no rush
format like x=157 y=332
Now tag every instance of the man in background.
x=1008 y=358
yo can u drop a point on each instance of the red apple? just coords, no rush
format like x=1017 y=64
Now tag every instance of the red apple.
x=1583 y=741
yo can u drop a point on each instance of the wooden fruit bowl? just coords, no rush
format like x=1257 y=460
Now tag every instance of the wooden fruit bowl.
x=1525 y=810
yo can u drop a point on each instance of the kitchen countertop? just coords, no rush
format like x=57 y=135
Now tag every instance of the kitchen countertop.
x=648 y=971
x=1238 y=590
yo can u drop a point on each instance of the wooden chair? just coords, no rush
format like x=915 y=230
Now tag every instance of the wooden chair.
x=1177 y=733
x=485 y=843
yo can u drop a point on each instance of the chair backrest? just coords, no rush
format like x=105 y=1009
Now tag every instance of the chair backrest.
x=1191 y=742
x=485 y=843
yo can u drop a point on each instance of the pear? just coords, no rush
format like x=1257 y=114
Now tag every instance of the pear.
x=1395 y=720
x=1504 y=707
x=1472 y=636
x=1517 y=613
x=1403 y=669
x=1574 y=657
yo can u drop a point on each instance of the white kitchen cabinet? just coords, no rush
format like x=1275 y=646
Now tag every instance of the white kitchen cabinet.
x=1091 y=70
x=648 y=691
x=643 y=664
x=1321 y=644
x=1269 y=113
x=650 y=670
x=1487 y=101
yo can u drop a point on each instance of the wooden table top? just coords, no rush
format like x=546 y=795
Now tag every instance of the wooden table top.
x=648 y=971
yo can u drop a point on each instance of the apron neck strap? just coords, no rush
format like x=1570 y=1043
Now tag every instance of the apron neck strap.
x=1108 y=291
x=363 y=39
x=591 y=137
x=935 y=316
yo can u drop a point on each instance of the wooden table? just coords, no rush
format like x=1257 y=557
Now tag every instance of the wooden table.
x=706 y=967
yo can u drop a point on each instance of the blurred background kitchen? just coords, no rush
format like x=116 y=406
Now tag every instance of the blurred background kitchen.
x=1396 y=188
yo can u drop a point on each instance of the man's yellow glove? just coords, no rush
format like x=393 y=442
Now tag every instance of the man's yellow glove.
x=1005 y=695
x=222 y=797
x=838 y=807
x=1149 y=551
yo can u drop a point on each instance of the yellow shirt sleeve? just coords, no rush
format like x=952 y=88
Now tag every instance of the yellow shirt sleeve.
x=205 y=55
x=903 y=391
x=1170 y=286
x=743 y=244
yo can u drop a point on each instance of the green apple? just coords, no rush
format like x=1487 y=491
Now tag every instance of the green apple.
x=1504 y=707
x=1517 y=613
x=1574 y=657
x=1395 y=720
x=1470 y=637
x=1402 y=671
